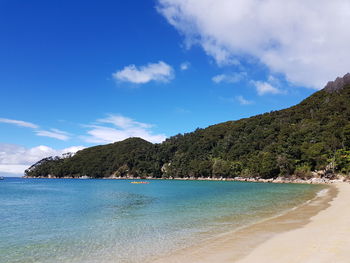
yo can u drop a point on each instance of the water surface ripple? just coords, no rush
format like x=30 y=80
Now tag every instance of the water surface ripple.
x=67 y=220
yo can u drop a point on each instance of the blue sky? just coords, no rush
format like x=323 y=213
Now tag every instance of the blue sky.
x=81 y=73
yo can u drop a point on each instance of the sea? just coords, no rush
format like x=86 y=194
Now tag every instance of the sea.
x=91 y=220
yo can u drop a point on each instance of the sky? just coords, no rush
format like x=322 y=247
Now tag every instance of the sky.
x=74 y=74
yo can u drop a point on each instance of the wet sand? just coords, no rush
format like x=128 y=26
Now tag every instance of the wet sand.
x=318 y=231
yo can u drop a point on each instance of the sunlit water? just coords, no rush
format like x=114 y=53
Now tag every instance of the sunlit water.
x=47 y=220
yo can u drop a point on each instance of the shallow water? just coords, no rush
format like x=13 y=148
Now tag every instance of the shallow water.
x=67 y=220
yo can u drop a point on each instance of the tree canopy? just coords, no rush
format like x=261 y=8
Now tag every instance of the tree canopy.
x=313 y=135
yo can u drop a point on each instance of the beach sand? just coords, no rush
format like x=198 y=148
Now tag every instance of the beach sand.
x=316 y=232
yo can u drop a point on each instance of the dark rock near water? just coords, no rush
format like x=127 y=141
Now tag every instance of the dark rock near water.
x=338 y=83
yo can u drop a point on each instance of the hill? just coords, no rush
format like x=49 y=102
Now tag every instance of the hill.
x=313 y=135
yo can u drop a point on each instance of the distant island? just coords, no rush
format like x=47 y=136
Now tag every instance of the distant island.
x=309 y=140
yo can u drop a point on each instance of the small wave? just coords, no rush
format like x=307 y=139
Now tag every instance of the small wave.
x=319 y=194
x=322 y=193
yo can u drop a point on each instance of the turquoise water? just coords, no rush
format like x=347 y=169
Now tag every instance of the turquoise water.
x=68 y=220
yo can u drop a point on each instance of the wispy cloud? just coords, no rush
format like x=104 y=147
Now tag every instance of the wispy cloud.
x=19 y=123
x=185 y=65
x=123 y=122
x=159 y=72
x=14 y=159
x=54 y=133
x=240 y=99
x=229 y=78
x=181 y=110
x=244 y=101
x=120 y=128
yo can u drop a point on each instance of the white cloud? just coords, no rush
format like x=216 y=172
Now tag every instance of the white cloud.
x=265 y=88
x=229 y=78
x=19 y=123
x=307 y=42
x=121 y=129
x=72 y=149
x=160 y=72
x=243 y=101
x=185 y=65
x=14 y=169
x=15 y=159
x=54 y=133
x=181 y=110
x=123 y=122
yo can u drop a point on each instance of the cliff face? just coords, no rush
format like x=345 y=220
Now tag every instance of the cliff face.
x=338 y=84
x=313 y=135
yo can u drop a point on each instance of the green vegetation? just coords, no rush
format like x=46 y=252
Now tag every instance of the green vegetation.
x=313 y=135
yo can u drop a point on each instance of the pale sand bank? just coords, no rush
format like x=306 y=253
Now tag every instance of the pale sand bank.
x=316 y=232
x=325 y=239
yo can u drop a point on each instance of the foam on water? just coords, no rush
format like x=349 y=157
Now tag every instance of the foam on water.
x=322 y=192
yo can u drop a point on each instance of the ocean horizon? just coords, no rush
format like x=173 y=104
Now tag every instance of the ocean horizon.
x=69 y=220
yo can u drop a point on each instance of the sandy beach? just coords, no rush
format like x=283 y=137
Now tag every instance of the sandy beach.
x=315 y=232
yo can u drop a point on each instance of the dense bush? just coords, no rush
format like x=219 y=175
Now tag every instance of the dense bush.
x=312 y=135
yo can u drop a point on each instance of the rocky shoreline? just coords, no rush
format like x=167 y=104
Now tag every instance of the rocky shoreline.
x=280 y=180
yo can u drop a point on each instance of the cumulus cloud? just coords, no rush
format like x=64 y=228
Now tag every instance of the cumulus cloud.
x=243 y=101
x=120 y=128
x=54 y=133
x=307 y=42
x=229 y=78
x=159 y=72
x=185 y=65
x=264 y=88
x=19 y=123
x=14 y=159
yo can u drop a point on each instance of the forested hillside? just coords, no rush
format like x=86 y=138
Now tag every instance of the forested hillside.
x=313 y=135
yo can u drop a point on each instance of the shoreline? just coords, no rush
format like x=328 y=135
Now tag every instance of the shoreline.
x=278 y=180
x=316 y=231
x=324 y=239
